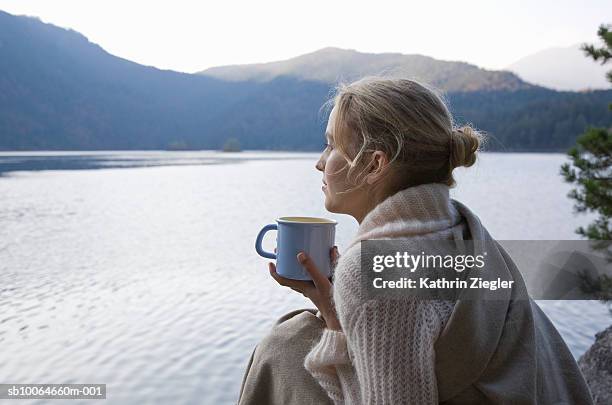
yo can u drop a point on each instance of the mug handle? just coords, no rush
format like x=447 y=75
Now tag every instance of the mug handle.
x=260 y=236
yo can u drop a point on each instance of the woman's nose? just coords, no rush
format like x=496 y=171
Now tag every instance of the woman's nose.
x=320 y=166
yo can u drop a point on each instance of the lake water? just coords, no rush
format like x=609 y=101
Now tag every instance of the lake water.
x=137 y=269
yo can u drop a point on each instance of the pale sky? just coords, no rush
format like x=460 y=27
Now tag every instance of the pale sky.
x=190 y=36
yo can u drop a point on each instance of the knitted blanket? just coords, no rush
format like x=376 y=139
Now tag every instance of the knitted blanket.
x=413 y=351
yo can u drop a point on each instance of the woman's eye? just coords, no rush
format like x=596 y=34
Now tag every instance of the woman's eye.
x=326 y=145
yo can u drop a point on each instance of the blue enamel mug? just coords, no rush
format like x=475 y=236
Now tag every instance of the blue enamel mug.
x=314 y=236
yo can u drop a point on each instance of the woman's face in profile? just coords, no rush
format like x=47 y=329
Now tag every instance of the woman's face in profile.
x=334 y=168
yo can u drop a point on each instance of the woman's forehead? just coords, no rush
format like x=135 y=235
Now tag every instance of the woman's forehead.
x=330 y=121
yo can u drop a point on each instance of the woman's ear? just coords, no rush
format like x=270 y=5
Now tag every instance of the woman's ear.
x=378 y=167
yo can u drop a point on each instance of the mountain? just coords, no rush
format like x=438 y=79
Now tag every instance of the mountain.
x=59 y=91
x=330 y=65
x=562 y=69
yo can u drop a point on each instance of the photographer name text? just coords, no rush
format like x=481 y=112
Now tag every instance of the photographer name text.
x=414 y=262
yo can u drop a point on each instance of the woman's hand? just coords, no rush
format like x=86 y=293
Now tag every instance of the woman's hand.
x=318 y=290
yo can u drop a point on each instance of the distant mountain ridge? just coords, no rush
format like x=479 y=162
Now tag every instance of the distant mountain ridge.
x=562 y=68
x=330 y=65
x=59 y=91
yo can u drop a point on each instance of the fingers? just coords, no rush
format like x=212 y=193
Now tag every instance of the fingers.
x=334 y=255
x=320 y=281
x=298 y=291
x=297 y=285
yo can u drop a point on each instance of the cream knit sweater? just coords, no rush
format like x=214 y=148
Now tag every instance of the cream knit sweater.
x=385 y=351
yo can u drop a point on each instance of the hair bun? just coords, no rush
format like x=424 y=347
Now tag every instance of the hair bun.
x=466 y=141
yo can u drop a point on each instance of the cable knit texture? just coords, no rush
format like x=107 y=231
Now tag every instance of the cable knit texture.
x=385 y=351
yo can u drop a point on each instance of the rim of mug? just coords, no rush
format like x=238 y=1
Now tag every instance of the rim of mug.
x=296 y=220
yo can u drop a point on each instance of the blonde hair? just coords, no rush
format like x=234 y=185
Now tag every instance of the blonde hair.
x=406 y=120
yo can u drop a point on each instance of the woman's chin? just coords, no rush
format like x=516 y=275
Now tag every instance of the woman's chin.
x=330 y=206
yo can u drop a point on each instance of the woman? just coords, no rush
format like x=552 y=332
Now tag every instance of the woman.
x=391 y=149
